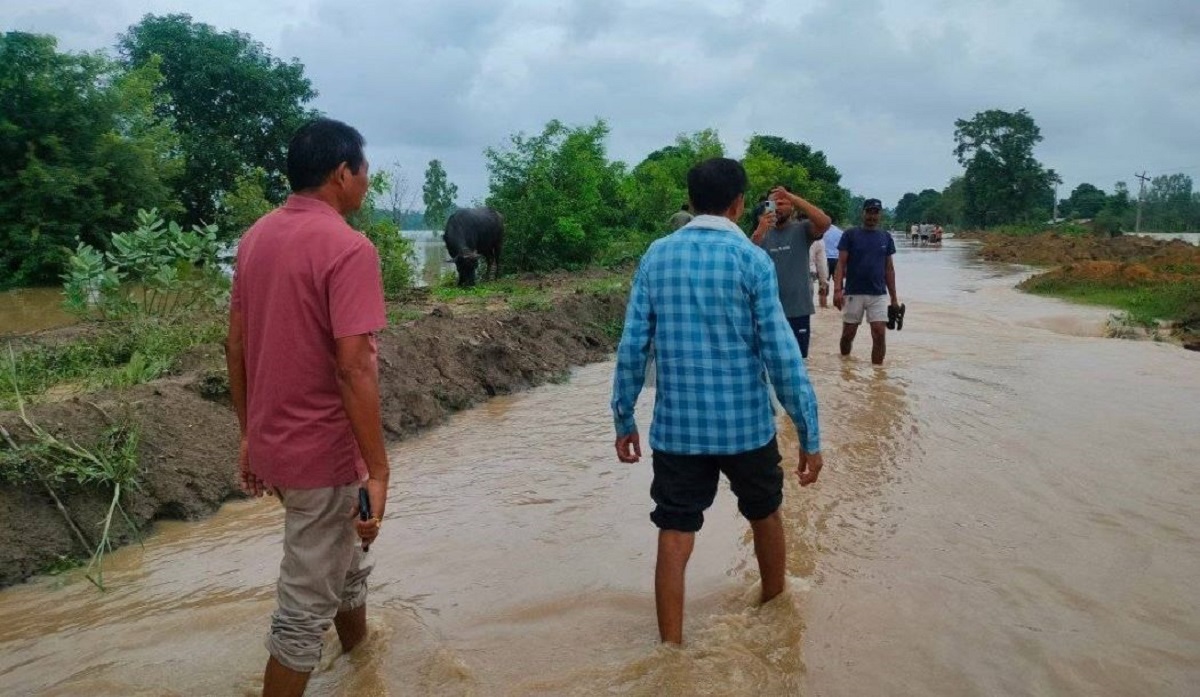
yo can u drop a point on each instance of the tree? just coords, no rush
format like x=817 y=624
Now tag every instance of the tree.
x=827 y=191
x=80 y=151
x=917 y=208
x=657 y=186
x=1003 y=182
x=559 y=196
x=246 y=202
x=396 y=258
x=1168 y=203
x=948 y=209
x=1086 y=201
x=766 y=170
x=399 y=196
x=234 y=105
x=439 y=195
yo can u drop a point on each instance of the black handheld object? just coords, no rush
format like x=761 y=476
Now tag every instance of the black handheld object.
x=364 y=510
x=896 y=317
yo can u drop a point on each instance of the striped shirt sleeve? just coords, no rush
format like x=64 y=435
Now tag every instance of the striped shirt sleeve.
x=781 y=355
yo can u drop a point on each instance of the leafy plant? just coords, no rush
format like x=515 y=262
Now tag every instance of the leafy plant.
x=169 y=268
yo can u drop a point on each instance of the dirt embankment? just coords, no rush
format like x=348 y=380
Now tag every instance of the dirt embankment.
x=1125 y=264
x=444 y=358
x=1052 y=249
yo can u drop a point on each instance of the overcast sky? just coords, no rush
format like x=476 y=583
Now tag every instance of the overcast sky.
x=876 y=84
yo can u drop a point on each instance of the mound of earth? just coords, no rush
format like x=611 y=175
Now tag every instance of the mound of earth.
x=1052 y=249
x=448 y=358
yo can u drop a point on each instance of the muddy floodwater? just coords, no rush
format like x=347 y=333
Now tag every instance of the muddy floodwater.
x=1009 y=507
x=27 y=310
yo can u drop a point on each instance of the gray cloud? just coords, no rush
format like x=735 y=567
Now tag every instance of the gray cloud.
x=875 y=84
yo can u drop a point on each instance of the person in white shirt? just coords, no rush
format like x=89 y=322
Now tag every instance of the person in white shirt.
x=831 y=239
x=820 y=269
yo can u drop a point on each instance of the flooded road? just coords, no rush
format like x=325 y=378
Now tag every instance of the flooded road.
x=1009 y=507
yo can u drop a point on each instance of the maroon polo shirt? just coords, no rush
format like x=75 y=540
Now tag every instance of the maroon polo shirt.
x=303 y=279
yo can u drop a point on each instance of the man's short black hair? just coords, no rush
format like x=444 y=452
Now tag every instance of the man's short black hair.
x=318 y=148
x=714 y=184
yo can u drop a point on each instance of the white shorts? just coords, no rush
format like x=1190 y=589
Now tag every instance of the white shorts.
x=874 y=306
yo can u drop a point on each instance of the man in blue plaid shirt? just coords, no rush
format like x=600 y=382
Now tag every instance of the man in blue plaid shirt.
x=705 y=300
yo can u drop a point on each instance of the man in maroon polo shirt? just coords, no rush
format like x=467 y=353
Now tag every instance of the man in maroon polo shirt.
x=307 y=300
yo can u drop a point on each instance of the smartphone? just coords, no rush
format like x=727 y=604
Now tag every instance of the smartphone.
x=364 y=510
x=770 y=206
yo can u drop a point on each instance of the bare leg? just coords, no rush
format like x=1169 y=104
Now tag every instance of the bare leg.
x=771 y=551
x=351 y=627
x=674 y=550
x=848 y=332
x=878 y=342
x=281 y=681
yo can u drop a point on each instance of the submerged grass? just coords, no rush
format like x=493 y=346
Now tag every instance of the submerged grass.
x=1146 y=304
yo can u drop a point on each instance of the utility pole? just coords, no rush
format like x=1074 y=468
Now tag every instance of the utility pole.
x=1137 y=225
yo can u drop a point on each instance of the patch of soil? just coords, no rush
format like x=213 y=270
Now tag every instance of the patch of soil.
x=1119 y=262
x=448 y=358
x=1052 y=249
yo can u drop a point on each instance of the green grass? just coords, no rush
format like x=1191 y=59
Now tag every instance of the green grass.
x=483 y=291
x=1145 y=304
x=604 y=286
x=118 y=354
x=531 y=303
x=400 y=315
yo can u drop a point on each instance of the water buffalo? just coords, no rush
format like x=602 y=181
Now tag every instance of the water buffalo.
x=472 y=233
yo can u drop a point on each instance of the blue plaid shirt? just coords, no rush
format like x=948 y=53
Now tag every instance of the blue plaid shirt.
x=707 y=300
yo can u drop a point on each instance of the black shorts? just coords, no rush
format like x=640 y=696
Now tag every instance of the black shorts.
x=684 y=486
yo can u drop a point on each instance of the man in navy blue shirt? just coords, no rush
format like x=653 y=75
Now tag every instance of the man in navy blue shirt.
x=865 y=265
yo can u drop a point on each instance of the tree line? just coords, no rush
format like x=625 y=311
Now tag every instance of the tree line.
x=193 y=123
x=1004 y=184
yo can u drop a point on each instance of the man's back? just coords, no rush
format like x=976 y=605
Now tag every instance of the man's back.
x=304 y=278
x=707 y=295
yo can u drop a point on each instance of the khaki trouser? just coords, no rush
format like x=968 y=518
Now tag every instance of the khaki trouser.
x=324 y=571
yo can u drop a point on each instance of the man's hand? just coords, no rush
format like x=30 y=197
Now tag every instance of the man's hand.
x=368 y=529
x=839 y=298
x=809 y=468
x=766 y=221
x=629 y=448
x=250 y=483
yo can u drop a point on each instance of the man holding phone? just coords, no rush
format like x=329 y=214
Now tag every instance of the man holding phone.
x=705 y=305
x=787 y=240
x=307 y=300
